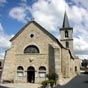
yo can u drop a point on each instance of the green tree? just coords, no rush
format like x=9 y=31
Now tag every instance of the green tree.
x=84 y=63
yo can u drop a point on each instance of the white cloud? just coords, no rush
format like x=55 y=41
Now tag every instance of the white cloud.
x=81 y=46
x=2 y=55
x=81 y=2
x=49 y=14
x=4 y=41
x=18 y=13
x=83 y=56
x=79 y=17
x=3 y=2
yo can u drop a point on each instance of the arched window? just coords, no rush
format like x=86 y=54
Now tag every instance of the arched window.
x=42 y=72
x=66 y=34
x=42 y=68
x=31 y=49
x=67 y=44
x=20 y=68
x=20 y=71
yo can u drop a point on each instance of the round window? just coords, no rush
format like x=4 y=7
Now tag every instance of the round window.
x=31 y=35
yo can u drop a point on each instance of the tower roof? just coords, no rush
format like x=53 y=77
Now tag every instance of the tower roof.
x=65 y=21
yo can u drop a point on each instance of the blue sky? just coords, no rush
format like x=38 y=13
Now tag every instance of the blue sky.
x=14 y=14
x=6 y=20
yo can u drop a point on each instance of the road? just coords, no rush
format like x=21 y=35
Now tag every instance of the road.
x=77 y=82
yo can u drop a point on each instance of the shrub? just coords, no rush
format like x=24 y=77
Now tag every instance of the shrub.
x=52 y=76
x=44 y=83
x=51 y=82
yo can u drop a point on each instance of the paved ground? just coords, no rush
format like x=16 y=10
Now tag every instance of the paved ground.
x=20 y=85
x=78 y=82
x=3 y=87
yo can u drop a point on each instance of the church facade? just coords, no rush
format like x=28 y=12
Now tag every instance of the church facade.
x=35 y=52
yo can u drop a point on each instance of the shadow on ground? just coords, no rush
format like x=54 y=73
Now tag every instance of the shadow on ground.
x=3 y=87
x=80 y=81
x=85 y=81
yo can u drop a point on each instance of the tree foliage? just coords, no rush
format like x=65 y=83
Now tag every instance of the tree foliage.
x=84 y=63
x=52 y=76
x=52 y=79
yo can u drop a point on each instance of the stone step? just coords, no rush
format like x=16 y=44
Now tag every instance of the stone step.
x=20 y=85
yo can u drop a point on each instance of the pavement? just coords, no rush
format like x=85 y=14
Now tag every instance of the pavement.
x=20 y=85
x=80 y=81
x=3 y=87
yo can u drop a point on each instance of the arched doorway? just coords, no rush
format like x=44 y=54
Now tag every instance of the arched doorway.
x=31 y=74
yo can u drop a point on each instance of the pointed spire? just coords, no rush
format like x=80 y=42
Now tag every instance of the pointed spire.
x=65 y=21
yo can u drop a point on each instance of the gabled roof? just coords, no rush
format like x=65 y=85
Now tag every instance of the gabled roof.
x=41 y=28
x=44 y=30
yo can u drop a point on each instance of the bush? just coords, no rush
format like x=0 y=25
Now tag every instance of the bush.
x=44 y=83
x=51 y=82
x=52 y=76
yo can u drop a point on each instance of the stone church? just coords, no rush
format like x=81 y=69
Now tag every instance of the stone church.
x=35 y=52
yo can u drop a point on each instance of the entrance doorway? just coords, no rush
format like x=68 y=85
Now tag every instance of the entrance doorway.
x=31 y=74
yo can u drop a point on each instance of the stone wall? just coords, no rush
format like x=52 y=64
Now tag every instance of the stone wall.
x=15 y=56
x=51 y=55
x=65 y=63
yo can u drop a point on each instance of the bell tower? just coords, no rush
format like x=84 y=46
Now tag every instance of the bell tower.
x=67 y=34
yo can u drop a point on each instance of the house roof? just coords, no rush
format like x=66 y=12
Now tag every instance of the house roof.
x=43 y=29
